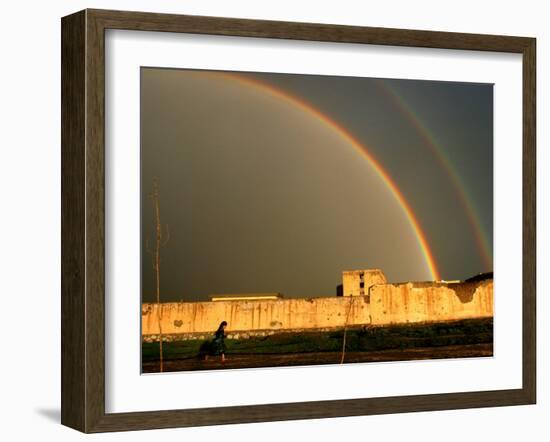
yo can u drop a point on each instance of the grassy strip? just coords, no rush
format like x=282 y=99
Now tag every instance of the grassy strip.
x=471 y=331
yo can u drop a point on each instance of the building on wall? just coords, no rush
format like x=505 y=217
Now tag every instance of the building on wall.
x=246 y=297
x=358 y=282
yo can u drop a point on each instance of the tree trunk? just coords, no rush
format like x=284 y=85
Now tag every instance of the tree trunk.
x=156 y=267
x=346 y=330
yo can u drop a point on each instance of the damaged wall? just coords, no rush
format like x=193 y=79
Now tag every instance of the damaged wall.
x=430 y=301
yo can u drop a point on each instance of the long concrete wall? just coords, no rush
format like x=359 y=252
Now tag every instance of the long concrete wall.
x=385 y=304
x=281 y=314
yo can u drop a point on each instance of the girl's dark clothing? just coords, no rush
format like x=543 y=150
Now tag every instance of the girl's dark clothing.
x=218 y=343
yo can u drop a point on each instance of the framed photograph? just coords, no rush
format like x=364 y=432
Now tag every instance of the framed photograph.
x=268 y=220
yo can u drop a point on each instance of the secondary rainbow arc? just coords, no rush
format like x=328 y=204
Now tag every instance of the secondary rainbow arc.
x=429 y=140
x=360 y=147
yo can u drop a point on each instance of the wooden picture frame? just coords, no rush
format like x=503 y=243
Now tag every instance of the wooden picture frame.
x=83 y=219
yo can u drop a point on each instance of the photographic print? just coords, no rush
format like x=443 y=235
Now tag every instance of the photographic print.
x=292 y=219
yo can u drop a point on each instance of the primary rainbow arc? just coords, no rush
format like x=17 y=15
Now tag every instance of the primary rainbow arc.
x=360 y=147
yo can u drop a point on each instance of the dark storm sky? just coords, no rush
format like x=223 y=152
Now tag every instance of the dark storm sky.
x=259 y=196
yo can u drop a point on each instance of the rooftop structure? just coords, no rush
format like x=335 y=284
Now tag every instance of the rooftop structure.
x=246 y=297
x=358 y=282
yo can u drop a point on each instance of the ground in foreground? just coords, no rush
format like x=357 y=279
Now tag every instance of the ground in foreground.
x=294 y=359
x=459 y=339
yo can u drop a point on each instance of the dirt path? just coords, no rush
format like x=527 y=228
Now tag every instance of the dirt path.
x=280 y=360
